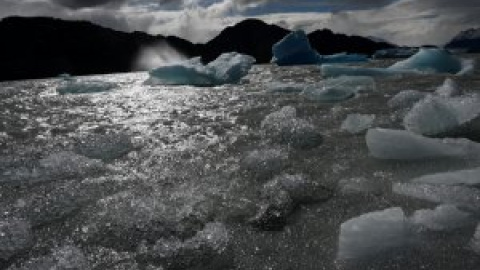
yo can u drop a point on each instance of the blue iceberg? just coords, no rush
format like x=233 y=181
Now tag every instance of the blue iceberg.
x=426 y=61
x=295 y=49
x=228 y=68
x=401 y=52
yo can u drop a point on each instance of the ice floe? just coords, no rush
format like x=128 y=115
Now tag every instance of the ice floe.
x=401 y=144
x=339 y=89
x=373 y=233
x=462 y=177
x=228 y=68
x=357 y=123
x=284 y=127
x=80 y=86
x=442 y=218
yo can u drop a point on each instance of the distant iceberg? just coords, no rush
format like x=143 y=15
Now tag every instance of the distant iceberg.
x=295 y=49
x=400 y=52
x=71 y=85
x=426 y=61
x=228 y=68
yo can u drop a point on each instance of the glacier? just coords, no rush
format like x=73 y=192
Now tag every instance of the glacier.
x=228 y=68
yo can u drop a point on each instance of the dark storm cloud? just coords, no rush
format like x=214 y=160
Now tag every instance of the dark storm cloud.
x=77 y=4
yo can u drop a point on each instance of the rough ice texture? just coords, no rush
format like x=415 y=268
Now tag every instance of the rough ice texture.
x=80 y=86
x=55 y=166
x=448 y=89
x=294 y=49
x=265 y=163
x=15 y=237
x=475 y=242
x=445 y=116
x=359 y=185
x=404 y=145
x=64 y=258
x=284 y=127
x=443 y=218
x=405 y=99
x=426 y=61
x=357 y=123
x=430 y=60
x=339 y=89
x=373 y=233
x=228 y=68
x=465 y=197
x=299 y=187
x=463 y=177
x=209 y=249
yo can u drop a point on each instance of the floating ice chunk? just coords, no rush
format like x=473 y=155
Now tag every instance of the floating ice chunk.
x=294 y=49
x=285 y=88
x=343 y=58
x=283 y=127
x=357 y=123
x=300 y=188
x=395 y=53
x=468 y=67
x=443 y=218
x=405 y=99
x=426 y=61
x=475 y=242
x=463 y=177
x=468 y=198
x=80 y=86
x=373 y=233
x=265 y=163
x=400 y=144
x=445 y=116
x=15 y=237
x=64 y=258
x=358 y=185
x=430 y=60
x=104 y=147
x=228 y=68
x=339 y=89
x=448 y=89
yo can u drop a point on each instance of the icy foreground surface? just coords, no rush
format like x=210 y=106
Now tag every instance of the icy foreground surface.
x=442 y=218
x=426 y=61
x=339 y=89
x=373 y=233
x=400 y=144
x=228 y=68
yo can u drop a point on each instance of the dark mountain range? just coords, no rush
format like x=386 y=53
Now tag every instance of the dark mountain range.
x=45 y=47
x=467 y=41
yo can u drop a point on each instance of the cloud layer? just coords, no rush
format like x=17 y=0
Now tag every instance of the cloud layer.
x=405 y=22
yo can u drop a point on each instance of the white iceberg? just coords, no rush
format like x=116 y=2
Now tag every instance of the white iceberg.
x=339 y=89
x=404 y=145
x=448 y=89
x=284 y=127
x=81 y=86
x=15 y=237
x=294 y=49
x=462 y=177
x=443 y=218
x=406 y=99
x=228 y=68
x=357 y=123
x=445 y=116
x=373 y=233
x=464 y=197
x=426 y=61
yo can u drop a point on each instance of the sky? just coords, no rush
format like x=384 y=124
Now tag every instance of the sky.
x=403 y=22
